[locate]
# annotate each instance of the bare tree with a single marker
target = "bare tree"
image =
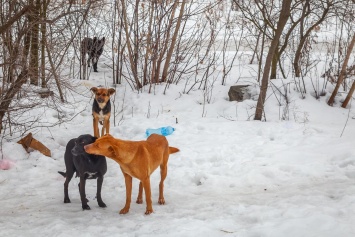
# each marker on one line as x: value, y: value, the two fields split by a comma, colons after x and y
x: 342, y: 73
x: 283, y: 18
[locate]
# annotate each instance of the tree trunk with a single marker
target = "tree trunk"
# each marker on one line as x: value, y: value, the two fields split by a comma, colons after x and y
x: 348, y: 97
x: 275, y: 60
x: 304, y: 36
x: 11, y: 92
x: 16, y: 86
x: 171, y: 49
x: 43, y: 40
x: 342, y: 72
x: 129, y: 46
x: 284, y: 15
x: 172, y: 45
x: 34, y: 58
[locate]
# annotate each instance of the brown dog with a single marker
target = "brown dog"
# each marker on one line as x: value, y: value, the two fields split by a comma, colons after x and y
x: 101, y: 110
x: 137, y: 159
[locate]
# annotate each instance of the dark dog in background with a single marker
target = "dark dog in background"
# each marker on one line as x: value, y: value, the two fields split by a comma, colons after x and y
x: 86, y: 166
x: 101, y: 110
x: 94, y: 48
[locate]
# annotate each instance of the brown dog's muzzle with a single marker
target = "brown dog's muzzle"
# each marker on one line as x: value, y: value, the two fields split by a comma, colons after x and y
x: 87, y: 148
x: 100, y: 100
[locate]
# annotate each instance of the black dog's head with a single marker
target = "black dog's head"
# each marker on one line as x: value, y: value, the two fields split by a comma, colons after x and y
x: 80, y: 142
x: 97, y: 48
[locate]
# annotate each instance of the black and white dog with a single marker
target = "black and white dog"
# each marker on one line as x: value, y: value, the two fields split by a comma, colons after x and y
x: 86, y: 166
x: 94, y: 48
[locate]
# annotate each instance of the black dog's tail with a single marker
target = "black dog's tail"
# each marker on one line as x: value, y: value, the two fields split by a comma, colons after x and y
x: 63, y: 173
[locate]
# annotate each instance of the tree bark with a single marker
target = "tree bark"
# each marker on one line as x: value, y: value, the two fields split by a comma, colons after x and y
x: 34, y: 58
x: 172, y: 45
x: 43, y: 40
x: 275, y: 60
x: 284, y: 15
x: 348, y: 97
x: 129, y: 46
x: 304, y: 37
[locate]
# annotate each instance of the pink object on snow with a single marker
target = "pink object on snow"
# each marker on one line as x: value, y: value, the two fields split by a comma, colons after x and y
x: 6, y: 164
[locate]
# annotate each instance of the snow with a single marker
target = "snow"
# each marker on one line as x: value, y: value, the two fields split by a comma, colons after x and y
x: 233, y: 176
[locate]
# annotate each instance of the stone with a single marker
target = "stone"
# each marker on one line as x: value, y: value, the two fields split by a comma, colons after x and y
x: 239, y: 93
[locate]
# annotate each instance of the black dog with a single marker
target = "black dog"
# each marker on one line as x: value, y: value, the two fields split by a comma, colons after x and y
x: 94, y: 48
x: 86, y: 166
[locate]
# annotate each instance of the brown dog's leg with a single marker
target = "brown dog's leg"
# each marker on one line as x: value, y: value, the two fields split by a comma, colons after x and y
x: 148, y: 196
x: 105, y: 126
x: 96, y: 127
x: 140, y: 194
x: 128, y: 181
x: 163, y: 173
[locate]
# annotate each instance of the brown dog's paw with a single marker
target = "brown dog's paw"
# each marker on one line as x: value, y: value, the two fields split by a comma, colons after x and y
x: 148, y: 212
x: 124, y: 211
x: 139, y: 200
x: 161, y: 201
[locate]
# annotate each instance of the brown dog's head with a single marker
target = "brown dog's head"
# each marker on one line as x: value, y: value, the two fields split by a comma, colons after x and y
x: 102, y: 146
x: 102, y: 95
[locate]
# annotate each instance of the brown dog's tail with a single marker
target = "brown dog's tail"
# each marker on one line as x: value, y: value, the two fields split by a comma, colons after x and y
x: 173, y: 150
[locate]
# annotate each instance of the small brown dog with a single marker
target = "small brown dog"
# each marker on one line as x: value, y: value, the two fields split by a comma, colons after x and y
x: 101, y: 110
x: 137, y: 159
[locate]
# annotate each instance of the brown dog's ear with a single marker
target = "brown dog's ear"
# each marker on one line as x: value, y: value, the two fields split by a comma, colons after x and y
x: 112, y: 151
x: 111, y: 91
x: 93, y: 89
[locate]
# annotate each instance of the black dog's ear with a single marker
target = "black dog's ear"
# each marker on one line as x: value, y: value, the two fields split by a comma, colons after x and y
x: 94, y: 139
x: 103, y: 39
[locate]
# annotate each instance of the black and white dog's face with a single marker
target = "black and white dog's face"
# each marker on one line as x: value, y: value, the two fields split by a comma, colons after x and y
x: 80, y: 142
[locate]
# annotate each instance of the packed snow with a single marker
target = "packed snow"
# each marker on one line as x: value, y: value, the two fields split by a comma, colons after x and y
x: 291, y: 175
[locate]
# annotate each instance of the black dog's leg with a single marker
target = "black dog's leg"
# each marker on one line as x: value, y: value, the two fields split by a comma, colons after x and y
x: 79, y: 192
x: 84, y: 201
x: 100, y: 180
x: 94, y: 64
x: 68, y: 177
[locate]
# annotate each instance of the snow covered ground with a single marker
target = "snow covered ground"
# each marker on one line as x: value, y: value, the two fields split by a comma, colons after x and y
x: 233, y: 177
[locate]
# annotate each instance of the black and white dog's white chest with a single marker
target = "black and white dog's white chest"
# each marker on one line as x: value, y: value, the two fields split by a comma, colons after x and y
x: 101, y: 116
x: 91, y: 175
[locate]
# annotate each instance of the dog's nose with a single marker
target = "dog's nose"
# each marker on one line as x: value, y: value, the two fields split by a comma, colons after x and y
x: 86, y: 147
x: 100, y: 100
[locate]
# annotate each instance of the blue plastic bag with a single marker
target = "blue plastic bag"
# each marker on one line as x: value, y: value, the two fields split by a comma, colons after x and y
x: 165, y: 131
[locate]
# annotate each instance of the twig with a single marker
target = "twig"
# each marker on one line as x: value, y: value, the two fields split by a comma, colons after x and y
x: 347, y: 119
